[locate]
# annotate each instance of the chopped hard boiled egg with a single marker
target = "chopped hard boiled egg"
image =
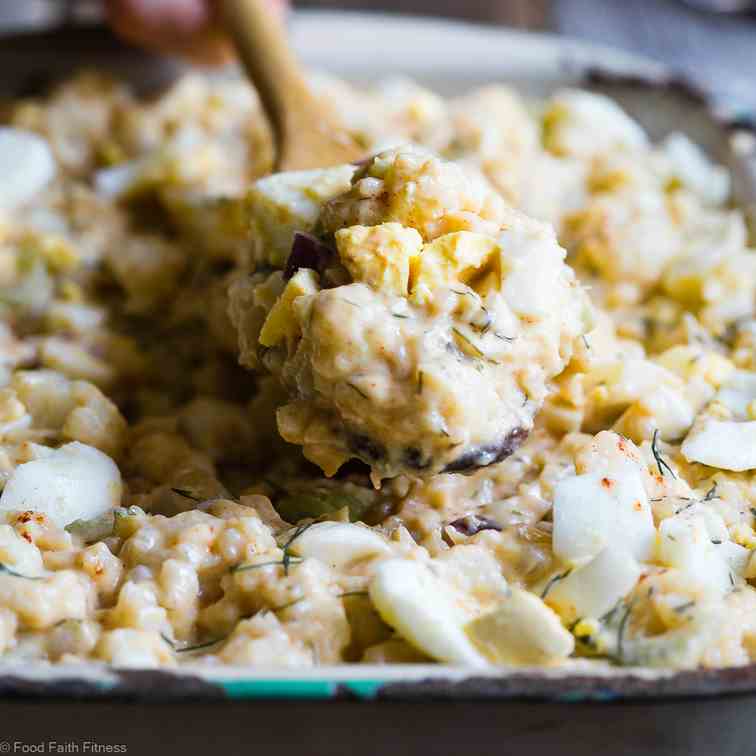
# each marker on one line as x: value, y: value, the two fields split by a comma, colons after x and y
x: 75, y: 482
x: 592, y: 590
x: 339, y: 544
x: 27, y: 166
x: 593, y: 511
x: 424, y: 611
x: 522, y: 631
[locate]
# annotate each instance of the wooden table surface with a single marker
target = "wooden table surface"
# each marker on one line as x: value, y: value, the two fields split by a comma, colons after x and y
x: 718, y: 51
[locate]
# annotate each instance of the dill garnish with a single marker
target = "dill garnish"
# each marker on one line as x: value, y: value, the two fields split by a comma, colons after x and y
x: 476, y: 350
x: 186, y: 494
x: 502, y: 337
x: 5, y: 570
x: 196, y: 647
x: 553, y: 581
x: 621, y: 631
x: 361, y: 393
x: 287, y: 604
x: 661, y: 463
x: 711, y: 493
x: 401, y: 317
x: 464, y: 293
x: 287, y: 557
x: 684, y: 607
x: 280, y: 563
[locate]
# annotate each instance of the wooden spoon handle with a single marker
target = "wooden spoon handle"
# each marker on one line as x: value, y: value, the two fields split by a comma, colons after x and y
x: 260, y: 39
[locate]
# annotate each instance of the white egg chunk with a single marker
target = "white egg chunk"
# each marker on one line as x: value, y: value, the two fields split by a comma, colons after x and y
x: 287, y: 202
x: 339, y: 544
x: 424, y: 611
x: 522, y: 631
x: 18, y: 555
x: 694, y: 541
x: 75, y: 482
x: 726, y: 444
x: 593, y: 510
x: 27, y: 165
x: 593, y: 590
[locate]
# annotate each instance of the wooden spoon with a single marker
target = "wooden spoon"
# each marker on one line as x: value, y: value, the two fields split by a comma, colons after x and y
x: 307, y: 133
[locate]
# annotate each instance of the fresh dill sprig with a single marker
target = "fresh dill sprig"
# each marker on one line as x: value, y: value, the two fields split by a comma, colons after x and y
x: 553, y: 581
x: 622, y: 627
x: 360, y: 392
x: 279, y: 563
x: 711, y: 493
x: 661, y: 463
x: 401, y: 317
x: 196, y: 647
x: 474, y: 348
x: 287, y: 556
x: 186, y: 494
x: 287, y: 604
x: 684, y: 607
x: 5, y: 570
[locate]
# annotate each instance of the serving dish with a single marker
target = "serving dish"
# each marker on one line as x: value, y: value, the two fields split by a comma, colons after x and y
x: 449, y: 58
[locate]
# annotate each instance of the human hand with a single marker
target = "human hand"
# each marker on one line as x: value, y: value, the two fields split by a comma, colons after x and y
x: 190, y: 28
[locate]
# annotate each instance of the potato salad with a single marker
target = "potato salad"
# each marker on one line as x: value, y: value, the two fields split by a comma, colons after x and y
x: 485, y: 398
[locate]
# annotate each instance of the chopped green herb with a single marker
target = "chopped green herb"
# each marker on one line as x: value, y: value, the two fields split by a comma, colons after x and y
x: 401, y: 317
x: 553, y: 581
x: 287, y: 556
x: 684, y: 607
x: 287, y: 605
x: 585, y: 341
x: 622, y: 627
x: 476, y: 351
x: 5, y: 570
x: 660, y: 461
x: 197, y: 647
x: 186, y: 494
x: 360, y: 392
x: 711, y: 493
x: 280, y: 563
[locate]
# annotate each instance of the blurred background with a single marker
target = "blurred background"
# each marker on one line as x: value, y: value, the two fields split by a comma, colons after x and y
x: 711, y: 41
